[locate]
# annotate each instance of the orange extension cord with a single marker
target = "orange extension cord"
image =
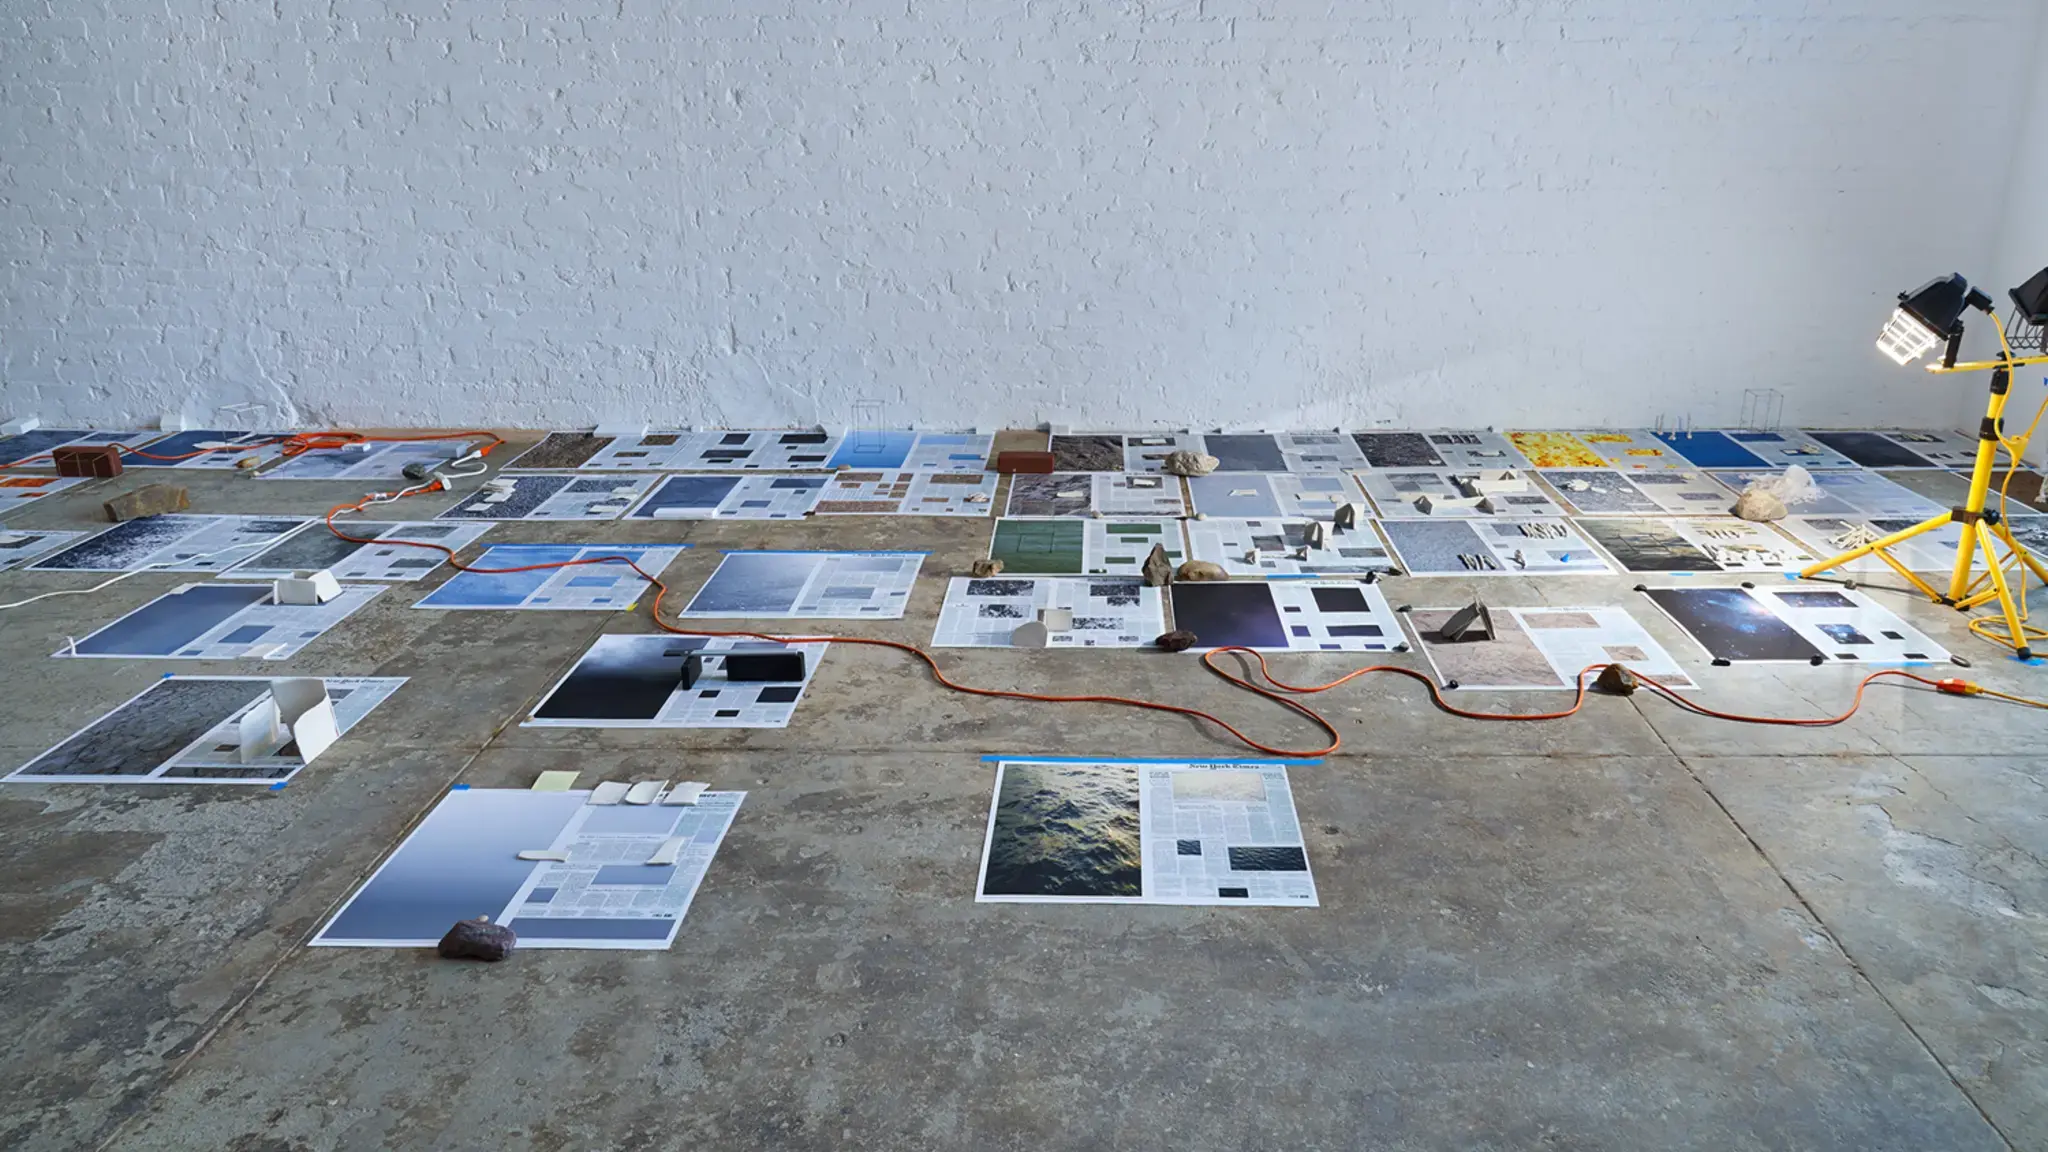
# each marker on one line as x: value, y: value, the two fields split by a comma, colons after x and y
x: 1281, y: 692
x: 1284, y: 695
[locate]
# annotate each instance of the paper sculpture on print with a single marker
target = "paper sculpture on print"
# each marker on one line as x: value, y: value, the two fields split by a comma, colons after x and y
x: 1140, y: 832
x: 1491, y: 547
x: 221, y: 621
x: 1605, y: 492
x: 1275, y: 547
x: 1542, y: 648
x: 1720, y: 544
x: 384, y: 558
x: 638, y: 682
x: 1088, y: 493
x: 314, y: 588
x: 175, y: 542
x: 190, y: 730
x: 1828, y: 536
x: 297, y: 711
x: 1052, y: 546
x: 600, y: 577
x: 1443, y: 494
x: 891, y: 493
x: 1106, y: 612
x: 809, y: 585
x: 1677, y: 492
x: 556, y: 870
x: 1263, y: 495
x: 551, y: 496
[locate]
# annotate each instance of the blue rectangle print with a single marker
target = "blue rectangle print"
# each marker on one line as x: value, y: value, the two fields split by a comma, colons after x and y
x: 501, y: 589
x: 166, y: 625
x: 868, y: 448
x: 1711, y: 450
x: 701, y: 494
x: 766, y: 583
x: 482, y: 589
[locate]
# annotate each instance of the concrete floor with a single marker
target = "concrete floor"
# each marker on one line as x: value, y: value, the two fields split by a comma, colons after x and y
x: 1635, y: 929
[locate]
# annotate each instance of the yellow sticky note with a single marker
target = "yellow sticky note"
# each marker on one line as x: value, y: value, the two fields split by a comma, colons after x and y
x: 555, y: 781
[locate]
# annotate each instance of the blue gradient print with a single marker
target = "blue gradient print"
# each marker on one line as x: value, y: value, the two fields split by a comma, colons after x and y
x: 462, y: 862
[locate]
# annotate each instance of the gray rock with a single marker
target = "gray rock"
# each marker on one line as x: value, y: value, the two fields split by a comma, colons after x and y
x: 1760, y: 506
x: 1186, y: 463
x: 1031, y: 634
x: 1158, y: 569
x: 477, y: 939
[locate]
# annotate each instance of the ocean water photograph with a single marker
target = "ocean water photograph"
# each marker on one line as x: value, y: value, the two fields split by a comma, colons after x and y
x: 1063, y: 831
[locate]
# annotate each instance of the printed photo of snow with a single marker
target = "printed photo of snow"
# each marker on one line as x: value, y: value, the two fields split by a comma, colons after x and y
x: 174, y: 542
x: 809, y: 585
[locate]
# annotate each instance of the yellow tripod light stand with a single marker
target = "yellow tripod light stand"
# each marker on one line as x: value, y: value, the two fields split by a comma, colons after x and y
x: 1927, y: 317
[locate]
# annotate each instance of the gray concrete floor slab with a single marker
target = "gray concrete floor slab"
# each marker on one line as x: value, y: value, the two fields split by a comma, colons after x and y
x: 1634, y: 929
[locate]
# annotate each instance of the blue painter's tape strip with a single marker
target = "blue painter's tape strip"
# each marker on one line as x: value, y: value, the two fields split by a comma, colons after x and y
x: 818, y: 552
x: 458, y: 787
x: 994, y: 759
x: 279, y: 786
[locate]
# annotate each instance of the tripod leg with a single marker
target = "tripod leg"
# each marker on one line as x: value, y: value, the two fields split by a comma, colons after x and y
x: 2026, y: 557
x: 2016, y: 629
x: 1966, y: 555
x: 1878, y: 546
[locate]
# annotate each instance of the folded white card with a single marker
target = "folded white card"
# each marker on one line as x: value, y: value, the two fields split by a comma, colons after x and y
x: 298, y: 710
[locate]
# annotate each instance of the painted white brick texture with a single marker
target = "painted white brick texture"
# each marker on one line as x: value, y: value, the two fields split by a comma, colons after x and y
x: 1280, y: 213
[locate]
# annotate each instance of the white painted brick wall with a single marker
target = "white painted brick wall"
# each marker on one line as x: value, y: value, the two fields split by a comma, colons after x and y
x: 1282, y: 212
x: 2022, y: 250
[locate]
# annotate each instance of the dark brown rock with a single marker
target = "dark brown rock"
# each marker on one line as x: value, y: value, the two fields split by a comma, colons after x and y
x: 1617, y: 680
x: 1176, y: 641
x: 477, y: 939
